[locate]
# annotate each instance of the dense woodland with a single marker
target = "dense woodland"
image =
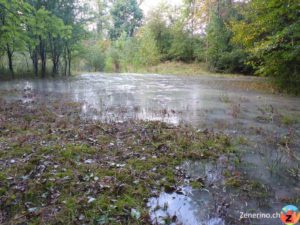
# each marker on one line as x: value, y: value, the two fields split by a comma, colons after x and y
x: 56, y: 37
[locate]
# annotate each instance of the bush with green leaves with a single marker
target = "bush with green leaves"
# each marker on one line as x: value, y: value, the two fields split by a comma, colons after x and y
x: 95, y: 58
x: 182, y: 47
x: 113, y: 60
x: 148, y: 52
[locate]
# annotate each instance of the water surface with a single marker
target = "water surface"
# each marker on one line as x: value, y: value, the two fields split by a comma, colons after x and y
x: 267, y: 126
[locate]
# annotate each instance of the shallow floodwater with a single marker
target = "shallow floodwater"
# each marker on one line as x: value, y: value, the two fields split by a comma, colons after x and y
x: 173, y: 99
x: 266, y: 125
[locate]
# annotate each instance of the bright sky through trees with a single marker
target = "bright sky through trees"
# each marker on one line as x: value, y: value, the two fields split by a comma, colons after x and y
x: 150, y: 4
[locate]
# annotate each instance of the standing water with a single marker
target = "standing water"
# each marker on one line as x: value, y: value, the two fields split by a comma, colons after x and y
x: 265, y: 127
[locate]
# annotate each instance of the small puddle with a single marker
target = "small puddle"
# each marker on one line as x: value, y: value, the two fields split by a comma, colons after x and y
x: 211, y: 172
x: 189, y: 207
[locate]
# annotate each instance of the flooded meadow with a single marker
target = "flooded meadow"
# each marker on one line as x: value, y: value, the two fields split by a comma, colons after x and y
x: 238, y: 145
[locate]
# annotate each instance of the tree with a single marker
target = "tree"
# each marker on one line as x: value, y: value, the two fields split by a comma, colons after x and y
x: 12, y: 38
x: 102, y: 17
x: 95, y: 56
x: 157, y: 22
x: 55, y: 31
x: 221, y: 54
x: 270, y: 32
x: 218, y: 37
x: 126, y: 17
x: 75, y: 15
x: 181, y: 48
x: 33, y: 40
x: 148, y: 52
x: 46, y: 31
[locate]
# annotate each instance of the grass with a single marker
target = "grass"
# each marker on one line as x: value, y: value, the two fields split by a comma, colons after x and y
x: 175, y: 68
x: 289, y: 120
x: 225, y: 98
x: 82, y: 171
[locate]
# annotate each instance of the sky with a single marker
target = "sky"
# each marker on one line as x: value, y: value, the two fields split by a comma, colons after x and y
x: 150, y: 4
x: 146, y: 6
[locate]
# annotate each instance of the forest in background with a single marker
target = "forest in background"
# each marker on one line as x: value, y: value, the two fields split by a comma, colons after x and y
x: 55, y: 37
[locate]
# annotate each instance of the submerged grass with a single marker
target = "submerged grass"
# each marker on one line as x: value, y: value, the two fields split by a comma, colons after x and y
x: 174, y: 68
x: 58, y: 168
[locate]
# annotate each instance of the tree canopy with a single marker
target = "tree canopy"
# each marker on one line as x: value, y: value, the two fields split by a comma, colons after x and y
x: 126, y: 17
x: 270, y: 32
x: 249, y: 37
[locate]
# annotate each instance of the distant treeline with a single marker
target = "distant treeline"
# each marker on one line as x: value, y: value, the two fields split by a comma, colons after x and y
x: 251, y: 37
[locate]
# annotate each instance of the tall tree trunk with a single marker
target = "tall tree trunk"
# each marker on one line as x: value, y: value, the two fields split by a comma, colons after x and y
x: 193, y: 16
x: 65, y: 61
x: 218, y: 9
x: 27, y: 64
x: 69, y: 62
x: 66, y: 65
x: 35, y: 62
x: 10, y: 60
x: 69, y: 66
x: 43, y: 58
x: 210, y: 13
x: 55, y: 54
x: 192, y: 8
x: 55, y: 61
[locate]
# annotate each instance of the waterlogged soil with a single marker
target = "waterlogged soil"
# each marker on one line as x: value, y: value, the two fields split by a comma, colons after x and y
x: 90, y: 146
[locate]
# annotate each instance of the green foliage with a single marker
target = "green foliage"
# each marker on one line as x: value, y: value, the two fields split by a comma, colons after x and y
x: 222, y: 54
x: 40, y: 30
x: 129, y: 55
x: 11, y: 18
x: 102, y: 17
x: 95, y: 58
x: 157, y: 24
x: 181, y: 45
x: 218, y: 37
x: 126, y: 17
x: 127, y: 52
x: 234, y: 61
x: 45, y: 25
x: 113, y: 61
x: 148, y: 52
x: 13, y: 14
x: 270, y: 31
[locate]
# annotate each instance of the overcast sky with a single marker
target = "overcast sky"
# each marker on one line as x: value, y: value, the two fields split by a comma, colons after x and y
x: 149, y: 4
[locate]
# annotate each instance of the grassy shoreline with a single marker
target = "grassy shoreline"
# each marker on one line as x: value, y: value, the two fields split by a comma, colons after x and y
x: 177, y: 68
